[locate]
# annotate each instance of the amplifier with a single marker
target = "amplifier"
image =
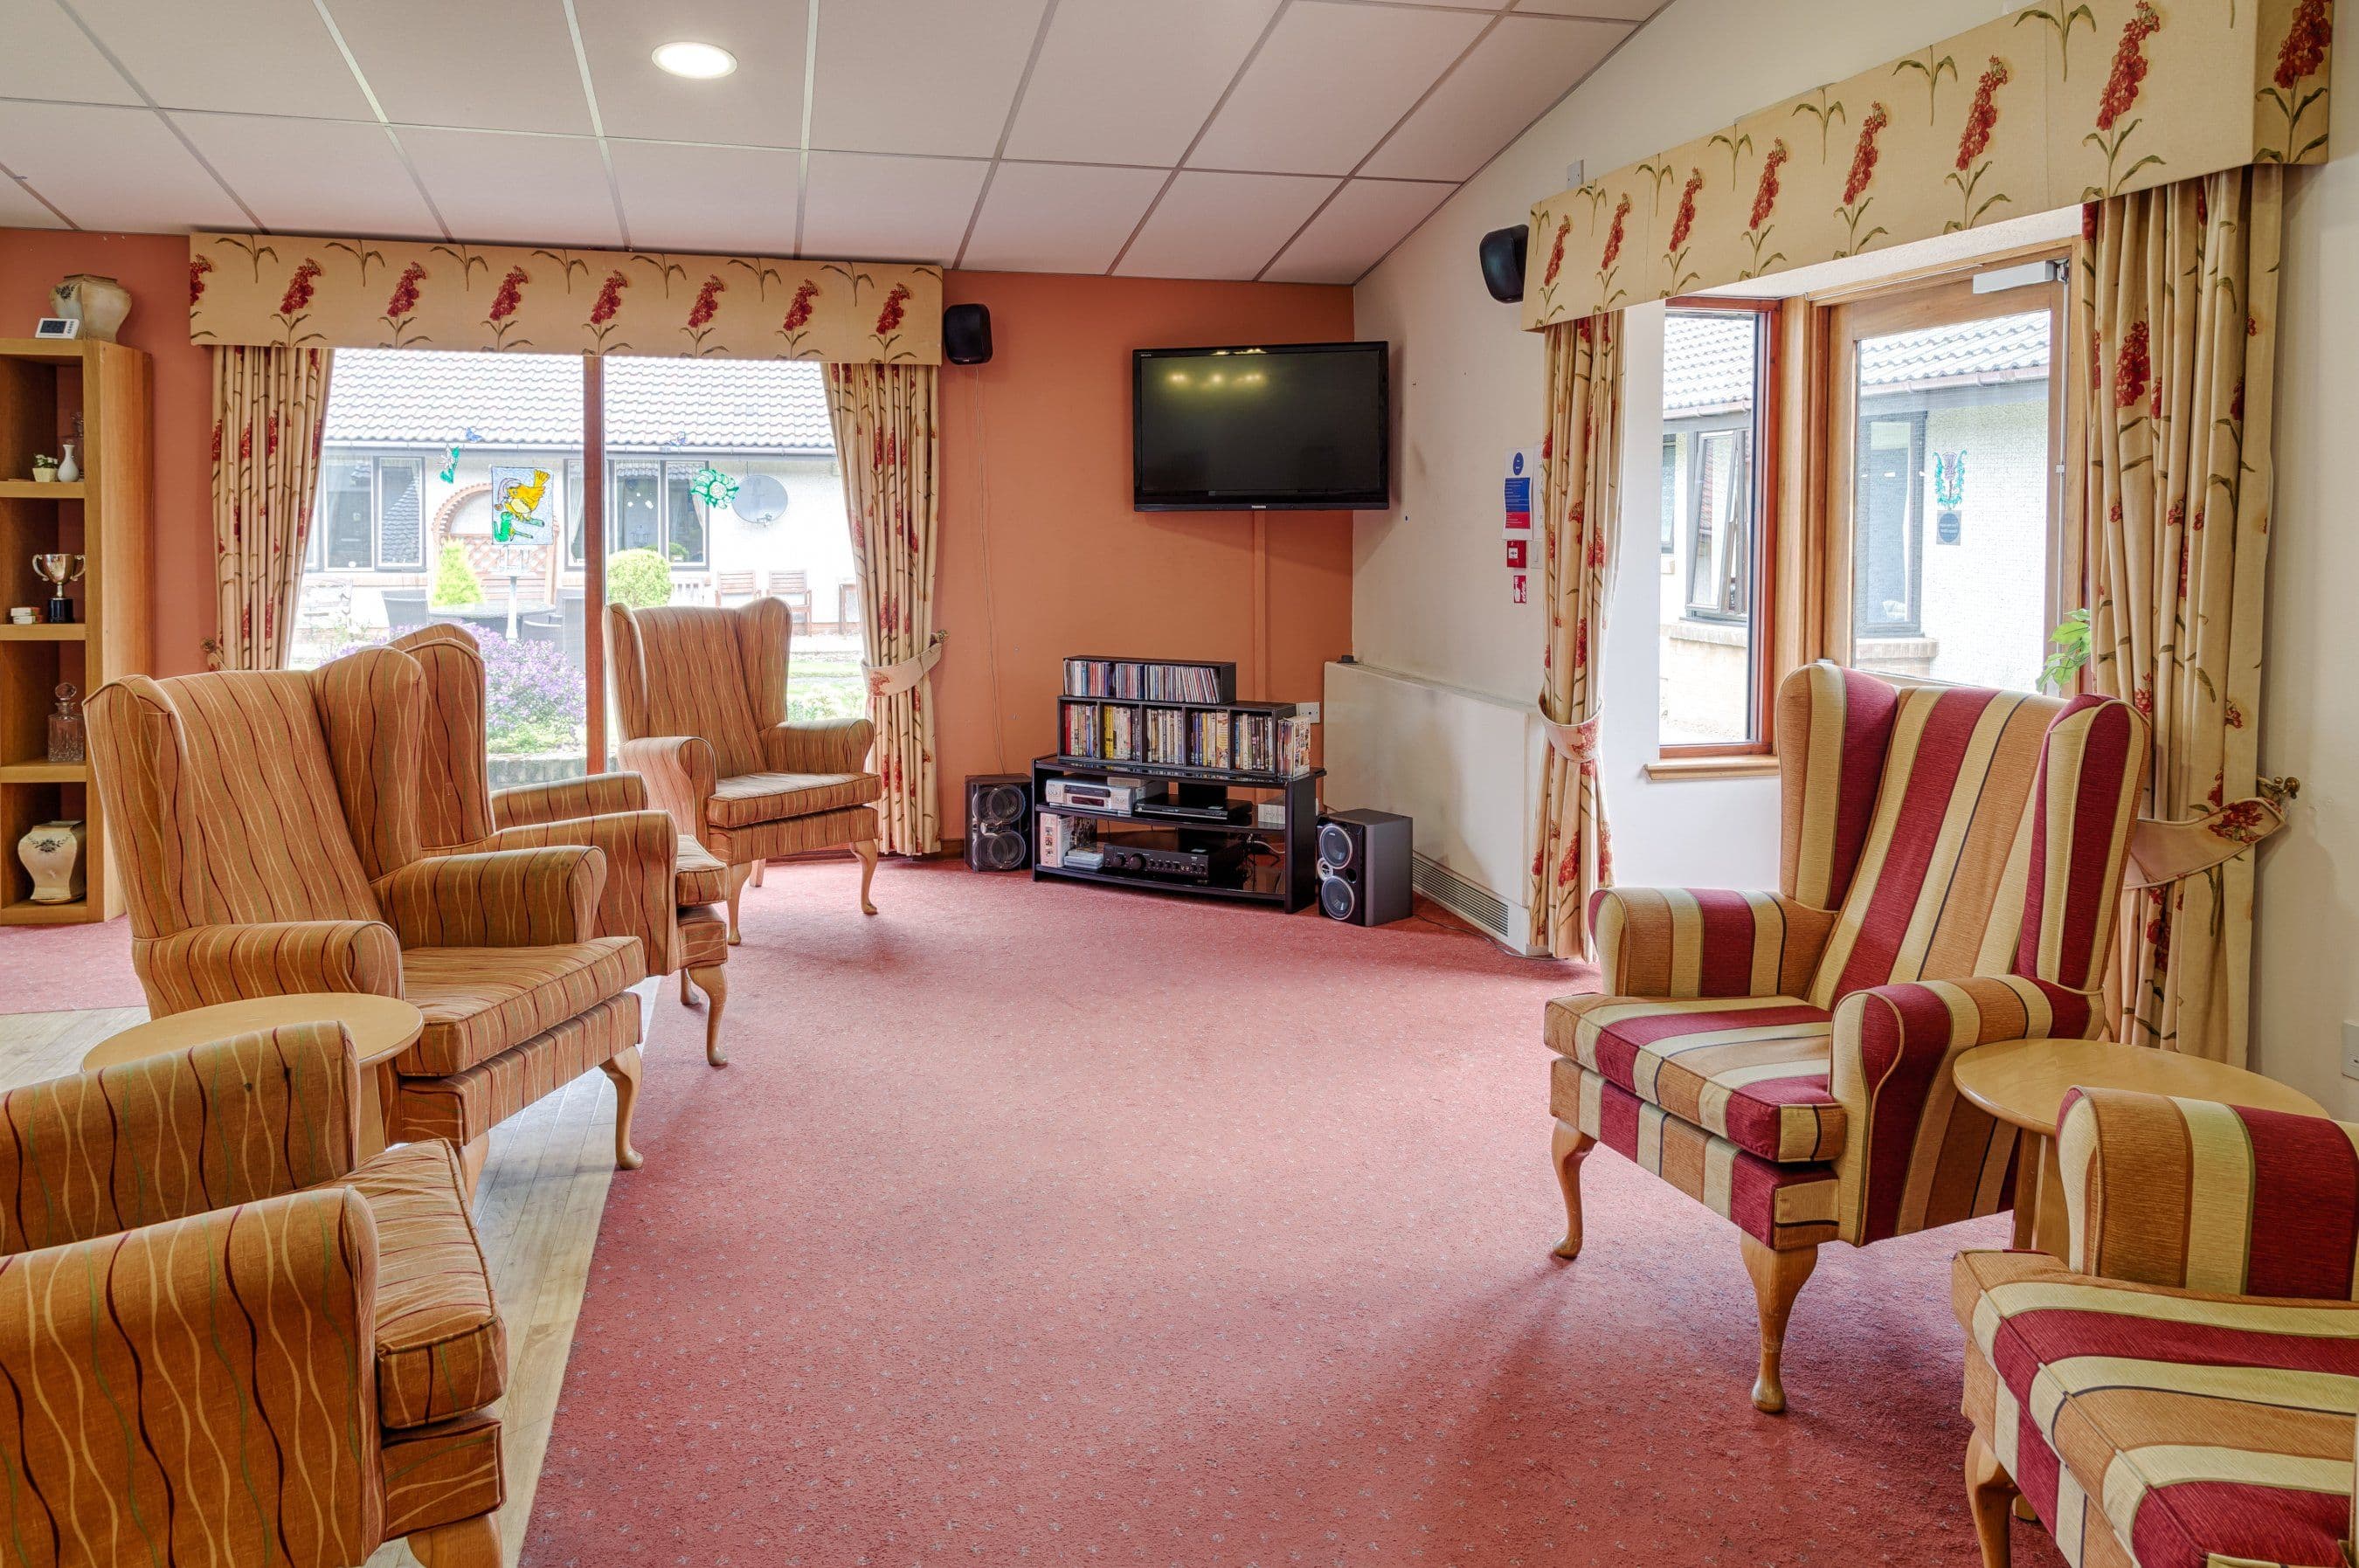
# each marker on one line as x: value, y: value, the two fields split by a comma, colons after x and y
x: 1094, y: 796
x: 1172, y: 865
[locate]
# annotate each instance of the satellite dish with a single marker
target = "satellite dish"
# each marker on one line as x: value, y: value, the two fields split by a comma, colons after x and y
x: 760, y: 498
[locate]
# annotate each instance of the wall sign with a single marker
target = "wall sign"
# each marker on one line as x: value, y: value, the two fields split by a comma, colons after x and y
x: 1523, y: 472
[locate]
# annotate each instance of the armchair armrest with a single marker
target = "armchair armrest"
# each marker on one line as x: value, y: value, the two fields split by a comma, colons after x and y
x: 1894, y: 1048
x: 234, y: 1361
x: 680, y: 772
x: 2182, y: 1191
x: 209, y: 964
x: 641, y: 896
x: 500, y: 898
x: 232, y: 1122
x: 1698, y: 942
x: 819, y: 746
x: 566, y: 799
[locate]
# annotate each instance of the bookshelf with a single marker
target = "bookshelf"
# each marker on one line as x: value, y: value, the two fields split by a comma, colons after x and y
x: 1230, y: 779
x: 103, y: 517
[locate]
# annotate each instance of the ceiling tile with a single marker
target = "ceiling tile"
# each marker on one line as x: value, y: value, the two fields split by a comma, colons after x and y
x: 733, y: 200
x: 1613, y: 10
x: 888, y: 209
x: 1221, y: 225
x: 47, y: 56
x: 1046, y: 217
x: 112, y: 168
x: 758, y: 104
x: 1131, y: 80
x: 446, y: 62
x: 516, y: 189
x: 211, y: 55
x: 1512, y: 75
x: 1352, y: 233
x: 312, y: 176
x: 920, y: 76
x: 1331, y: 79
x: 18, y: 210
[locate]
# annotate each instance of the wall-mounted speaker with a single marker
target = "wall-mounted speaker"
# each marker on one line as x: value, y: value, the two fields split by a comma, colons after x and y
x: 998, y: 822
x: 966, y: 334
x: 1503, y: 252
x: 1363, y: 866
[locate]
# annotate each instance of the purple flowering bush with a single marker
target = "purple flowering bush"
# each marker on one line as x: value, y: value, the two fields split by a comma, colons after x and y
x: 532, y: 698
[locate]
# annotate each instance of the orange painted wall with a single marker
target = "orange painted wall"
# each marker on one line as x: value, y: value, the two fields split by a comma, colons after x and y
x: 1041, y: 555
x: 155, y: 268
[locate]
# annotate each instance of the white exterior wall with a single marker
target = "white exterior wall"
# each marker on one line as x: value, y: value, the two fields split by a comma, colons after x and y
x: 1985, y: 597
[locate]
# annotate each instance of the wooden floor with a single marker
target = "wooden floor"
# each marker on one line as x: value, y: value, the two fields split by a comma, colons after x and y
x: 543, y: 1189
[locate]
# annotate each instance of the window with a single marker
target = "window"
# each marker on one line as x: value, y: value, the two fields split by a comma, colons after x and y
x: 1717, y: 405
x: 1944, y: 502
x: 367, y: 516
x: 650, y: 506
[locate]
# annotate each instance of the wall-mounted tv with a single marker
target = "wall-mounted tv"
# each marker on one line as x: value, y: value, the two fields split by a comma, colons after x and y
x: 1302, y: 426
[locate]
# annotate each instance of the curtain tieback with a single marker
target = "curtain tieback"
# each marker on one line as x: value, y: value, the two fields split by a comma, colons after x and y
x: 1576, y: 743
x: 2165, y: 853
x: 892, y: 681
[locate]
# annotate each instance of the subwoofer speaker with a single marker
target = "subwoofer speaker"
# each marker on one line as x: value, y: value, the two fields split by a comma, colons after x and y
x: 1503, y: 252
x: 1364, y: 865
x: 998, y: 822
x: 966, y: 335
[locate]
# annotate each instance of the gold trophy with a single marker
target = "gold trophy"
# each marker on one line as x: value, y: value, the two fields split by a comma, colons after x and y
x: 57, y: 570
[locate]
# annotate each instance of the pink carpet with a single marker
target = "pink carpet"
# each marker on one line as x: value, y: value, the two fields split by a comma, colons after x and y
x: 1047, y: 1224
x: 57, y: 969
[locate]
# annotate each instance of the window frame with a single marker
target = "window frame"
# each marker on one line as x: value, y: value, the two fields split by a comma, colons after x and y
x: 315, y: 546
x: 1761, y: 581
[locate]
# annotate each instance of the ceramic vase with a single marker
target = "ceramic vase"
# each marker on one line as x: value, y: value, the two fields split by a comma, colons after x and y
x: 100, y: 303
x: 52, y: 853
x: 69, y: 466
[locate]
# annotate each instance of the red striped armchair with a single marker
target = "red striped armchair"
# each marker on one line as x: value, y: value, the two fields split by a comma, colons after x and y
x: 1951, y: 861
x: 2178, y: 1392
x: 270, y: 844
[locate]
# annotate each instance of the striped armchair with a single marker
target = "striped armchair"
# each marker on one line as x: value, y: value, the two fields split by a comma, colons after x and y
x: 270, y: 844
x: 703, y: 695
x: 2179, y: 1391
x: 224, y: 1340
x: 1950, y: 865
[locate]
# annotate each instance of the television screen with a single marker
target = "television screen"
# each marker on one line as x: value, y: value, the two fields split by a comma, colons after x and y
x: 1294, y: 424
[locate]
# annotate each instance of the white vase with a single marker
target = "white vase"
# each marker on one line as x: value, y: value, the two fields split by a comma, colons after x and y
x: 69, y: 467
x: 52, y: 853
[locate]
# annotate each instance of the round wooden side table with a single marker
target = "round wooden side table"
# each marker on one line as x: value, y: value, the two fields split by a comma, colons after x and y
x: 382, y: 1028
x: 2024, y: 1082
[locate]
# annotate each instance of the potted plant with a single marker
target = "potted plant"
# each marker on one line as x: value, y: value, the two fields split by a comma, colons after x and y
x: 45, y: 469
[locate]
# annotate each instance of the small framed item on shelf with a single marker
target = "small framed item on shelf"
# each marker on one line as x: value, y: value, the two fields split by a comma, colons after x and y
x: 58, y: 327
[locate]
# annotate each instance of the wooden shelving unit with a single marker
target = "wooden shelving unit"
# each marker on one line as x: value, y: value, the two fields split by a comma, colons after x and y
x: 105, y: 517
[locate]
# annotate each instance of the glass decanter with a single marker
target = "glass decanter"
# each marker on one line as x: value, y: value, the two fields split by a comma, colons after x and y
x: 67, y: 744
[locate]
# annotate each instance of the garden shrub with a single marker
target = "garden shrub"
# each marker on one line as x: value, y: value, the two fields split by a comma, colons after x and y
x: 455, y: 583
x: 640, y: 579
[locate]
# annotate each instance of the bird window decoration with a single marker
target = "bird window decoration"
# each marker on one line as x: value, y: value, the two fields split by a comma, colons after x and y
x: 1948, y: 496
x: 516, y: 497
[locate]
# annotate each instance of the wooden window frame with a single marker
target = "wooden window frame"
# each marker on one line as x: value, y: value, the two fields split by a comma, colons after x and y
x: 1768, y: 466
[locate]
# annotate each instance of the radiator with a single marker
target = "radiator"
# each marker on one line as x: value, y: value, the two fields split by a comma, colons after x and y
x: 1462, y: 765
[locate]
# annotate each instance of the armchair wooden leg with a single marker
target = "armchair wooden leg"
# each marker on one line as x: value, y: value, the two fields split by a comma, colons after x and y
x: 624, y: 1068
x: 1778, y: 1279
x: 1989, y: 1491
x: 470, y: 1543
x: 470, y: 1161
x: 737, y: 875
x: 759, y: 867
x: 687, y: 991
x: 866, y: 850
x: 1566, y: 1152
x: 715, y: 981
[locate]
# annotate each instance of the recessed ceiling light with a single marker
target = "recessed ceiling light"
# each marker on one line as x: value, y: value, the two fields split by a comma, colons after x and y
x: 701, y: 61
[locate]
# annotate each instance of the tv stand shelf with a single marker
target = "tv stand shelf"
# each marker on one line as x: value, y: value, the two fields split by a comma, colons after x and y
x: 1281, y: 875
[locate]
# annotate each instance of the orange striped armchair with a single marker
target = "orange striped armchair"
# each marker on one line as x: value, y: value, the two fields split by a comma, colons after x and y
x: 270, y: 844
x: 1950, y: 862
x: 703, y: 695
x: 2177, y: 1392
x: 224, y: 1340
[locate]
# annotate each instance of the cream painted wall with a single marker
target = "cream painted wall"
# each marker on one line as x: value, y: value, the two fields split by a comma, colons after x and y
x: 1429, y: 597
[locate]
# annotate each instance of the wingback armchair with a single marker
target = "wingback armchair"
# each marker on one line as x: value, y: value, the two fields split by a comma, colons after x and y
x: 268, y: 827
x: 226, y: 1341
x: 1949, y: 868
x: 703, y: 695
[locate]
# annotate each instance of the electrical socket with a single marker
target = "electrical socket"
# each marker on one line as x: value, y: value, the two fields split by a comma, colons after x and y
x: 1308, y: 713
x: 2351, y: 1050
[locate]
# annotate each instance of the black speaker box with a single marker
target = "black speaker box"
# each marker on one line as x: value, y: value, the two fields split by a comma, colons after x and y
x: 966, y: 334
x: 1364, y: 865
x: 1503, y: 252
x: 998, y: 822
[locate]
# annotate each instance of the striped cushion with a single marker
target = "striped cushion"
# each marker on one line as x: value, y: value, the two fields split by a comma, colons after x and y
x: 480, y: 1001
x: 462, y: 1106
x: 1751, y: 1069
x: 1672, y: 942
x: 2191, y: 1429
x: 441, y: 1349
x: 745, y: 799
x: 1785, y: 1206
x: 703, y: 937
x: 702, y: 877
x: 440, y: 1474
x: 795, y: 836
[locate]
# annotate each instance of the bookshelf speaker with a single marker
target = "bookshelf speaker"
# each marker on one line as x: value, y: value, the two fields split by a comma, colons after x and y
x: 998, y: 822
x: 1363, y: 863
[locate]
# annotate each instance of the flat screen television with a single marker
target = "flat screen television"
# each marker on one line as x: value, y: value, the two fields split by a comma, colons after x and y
x: 1300, y: 425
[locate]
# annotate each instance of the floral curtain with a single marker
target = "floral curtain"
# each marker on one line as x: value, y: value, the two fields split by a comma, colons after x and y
x: 2176, y: 290
x: 884, y: 418
x: 1579, y: 501
x: 269, y: 408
